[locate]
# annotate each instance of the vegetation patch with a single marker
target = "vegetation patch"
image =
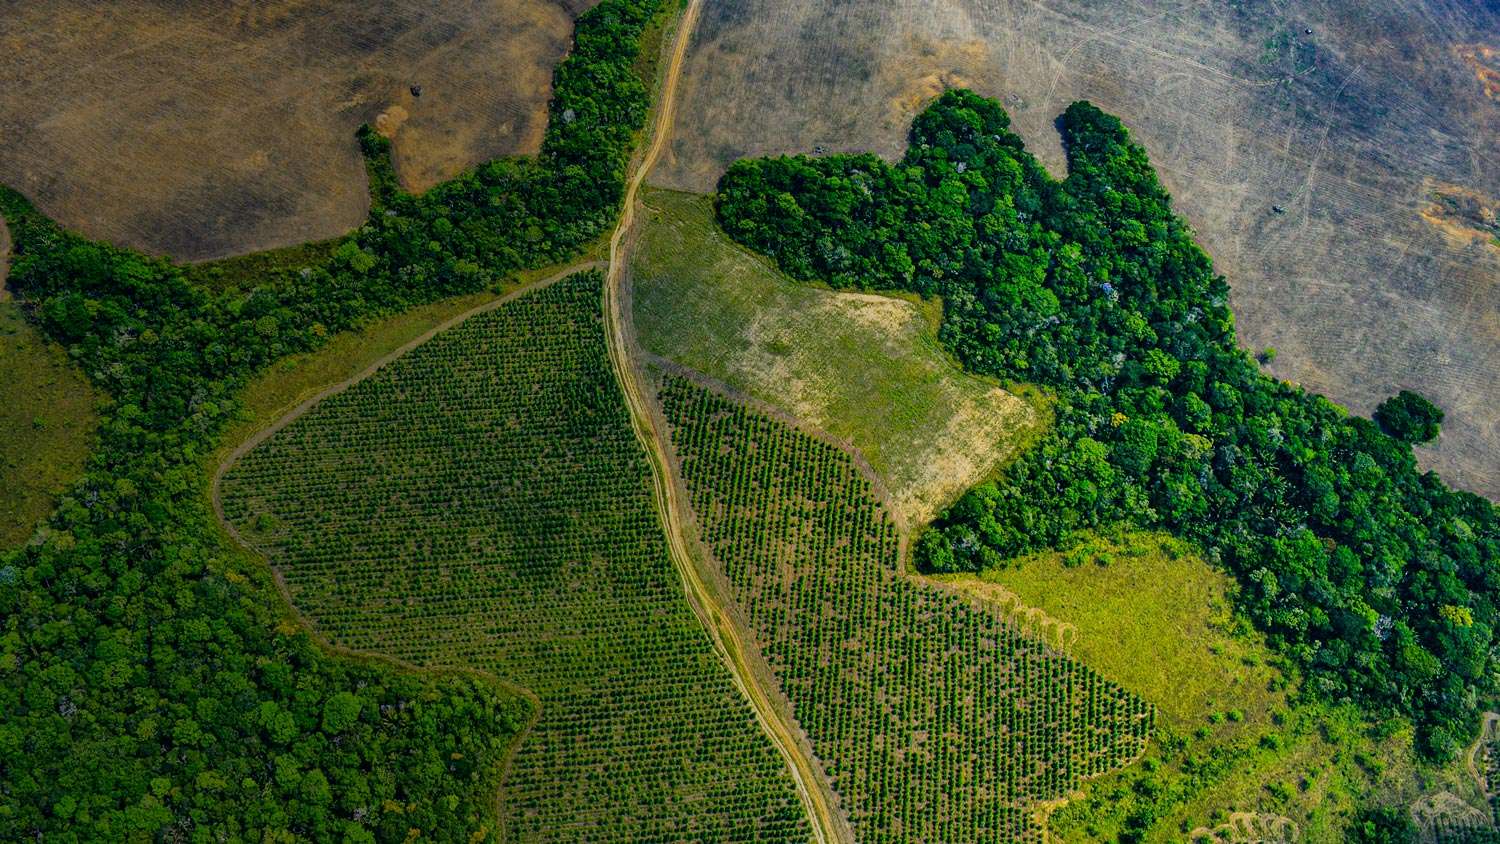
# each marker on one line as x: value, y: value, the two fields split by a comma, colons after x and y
x: 1376, y: 579
x: 1151, y: 615
x: 866, y: 368
x: 153, y: 684
x: 46, y: 423
x: 481, y: 502
x: 934, y: 718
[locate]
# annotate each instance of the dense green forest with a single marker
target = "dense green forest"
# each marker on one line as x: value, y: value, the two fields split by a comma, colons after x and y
x: 1377, y: 579
x: 147, y: 690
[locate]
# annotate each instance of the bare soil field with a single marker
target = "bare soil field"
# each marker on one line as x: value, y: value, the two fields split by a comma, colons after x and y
x: 1373, y: 127
x: 205, y: 129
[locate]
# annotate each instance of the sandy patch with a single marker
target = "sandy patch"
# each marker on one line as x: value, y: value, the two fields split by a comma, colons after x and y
x: 1485, y: 62
x: 1462, y: 214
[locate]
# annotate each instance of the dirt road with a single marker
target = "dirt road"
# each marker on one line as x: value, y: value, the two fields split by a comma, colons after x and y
x: 812, y: 786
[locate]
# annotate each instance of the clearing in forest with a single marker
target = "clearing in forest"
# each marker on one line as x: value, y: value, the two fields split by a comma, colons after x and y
x: 481, y: 501
x: 934, y: 718
x: 46, y: 423
x: 866, y: 368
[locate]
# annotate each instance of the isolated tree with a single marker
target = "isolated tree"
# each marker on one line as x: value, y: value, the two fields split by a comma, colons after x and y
x: 1409, y: 417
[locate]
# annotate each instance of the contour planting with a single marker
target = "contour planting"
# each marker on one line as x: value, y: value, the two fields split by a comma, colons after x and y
x: 482, y: 502
x: 934, y: 718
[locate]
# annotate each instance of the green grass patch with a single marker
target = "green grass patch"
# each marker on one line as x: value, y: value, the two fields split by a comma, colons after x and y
x: 1237, y: 742
x: 47, y: 421
x: 1182, y: 647
x: 866, y: 368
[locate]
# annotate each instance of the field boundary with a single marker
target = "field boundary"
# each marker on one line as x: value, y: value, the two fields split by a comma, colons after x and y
x: 828, y: 824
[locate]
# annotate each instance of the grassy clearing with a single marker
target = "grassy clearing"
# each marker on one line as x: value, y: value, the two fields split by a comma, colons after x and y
x: 481, y: 501
x: 1178, y: 608
x: 1235, y: 739
x: 47, y: 421
x: 868, y: 369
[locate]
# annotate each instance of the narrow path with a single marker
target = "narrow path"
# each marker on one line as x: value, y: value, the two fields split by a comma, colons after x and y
x: 817, y: 796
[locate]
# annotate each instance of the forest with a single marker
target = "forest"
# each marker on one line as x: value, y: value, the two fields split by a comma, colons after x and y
x: 152, y: 683
x: 1373, y: 577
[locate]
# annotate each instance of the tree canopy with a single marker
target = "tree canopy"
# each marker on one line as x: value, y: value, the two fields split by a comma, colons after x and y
x: 151, y: 685
x: 1376, y: 578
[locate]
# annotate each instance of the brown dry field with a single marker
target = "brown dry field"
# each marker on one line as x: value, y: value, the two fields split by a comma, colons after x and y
x: 202, y: 129
x: 1378, y: 133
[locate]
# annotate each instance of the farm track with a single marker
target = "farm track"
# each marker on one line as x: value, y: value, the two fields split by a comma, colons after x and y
x: 829, y: 825
x: 729, y: 642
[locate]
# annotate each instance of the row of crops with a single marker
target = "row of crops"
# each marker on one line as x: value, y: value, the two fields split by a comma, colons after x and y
x: 481, y: 501
x: 934, y: 718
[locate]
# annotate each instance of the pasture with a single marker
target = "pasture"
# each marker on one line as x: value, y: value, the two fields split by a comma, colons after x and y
x: 207, y: 129
x: 47, y: 421
x: 866, y: 368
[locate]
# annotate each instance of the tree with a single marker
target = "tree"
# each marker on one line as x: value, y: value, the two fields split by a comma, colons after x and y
x: 1409, y: 417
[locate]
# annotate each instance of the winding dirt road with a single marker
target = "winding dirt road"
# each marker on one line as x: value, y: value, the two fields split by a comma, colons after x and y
x: 829, y: 826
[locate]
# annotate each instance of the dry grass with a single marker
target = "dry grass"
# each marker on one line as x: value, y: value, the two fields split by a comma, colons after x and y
x: 1240, y: 107
x: 204, y: 129
x: 867, y: 369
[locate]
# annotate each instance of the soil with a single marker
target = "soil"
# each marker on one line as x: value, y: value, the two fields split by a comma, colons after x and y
x: 1347, y: 128
x: 202, y: 129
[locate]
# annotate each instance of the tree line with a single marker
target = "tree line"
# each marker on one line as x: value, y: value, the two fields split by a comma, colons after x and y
x: 149, y: 685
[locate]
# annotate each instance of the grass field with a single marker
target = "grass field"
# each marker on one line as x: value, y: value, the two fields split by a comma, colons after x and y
x: 867, y: 369
x: 46, y: 423
x: 1236, y: 744
x: 481, y: 501
x: 935, y: 720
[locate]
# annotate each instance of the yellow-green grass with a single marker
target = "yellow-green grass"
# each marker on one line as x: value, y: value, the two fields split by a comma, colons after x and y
x: 866, y: 368
x: 47, y: 420
x: 1152, y: 615
x: 1155, y: 618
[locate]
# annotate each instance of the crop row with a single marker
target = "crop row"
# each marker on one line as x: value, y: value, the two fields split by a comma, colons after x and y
x: 935, y: 719
x: 481, y: 501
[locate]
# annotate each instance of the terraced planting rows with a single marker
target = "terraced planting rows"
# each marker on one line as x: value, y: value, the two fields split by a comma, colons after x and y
x: 935, y: 719
x: 481, y: 501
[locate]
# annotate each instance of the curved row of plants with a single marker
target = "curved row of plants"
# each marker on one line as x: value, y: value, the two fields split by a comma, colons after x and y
x: 934, y: 718
x: 149, y: 684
